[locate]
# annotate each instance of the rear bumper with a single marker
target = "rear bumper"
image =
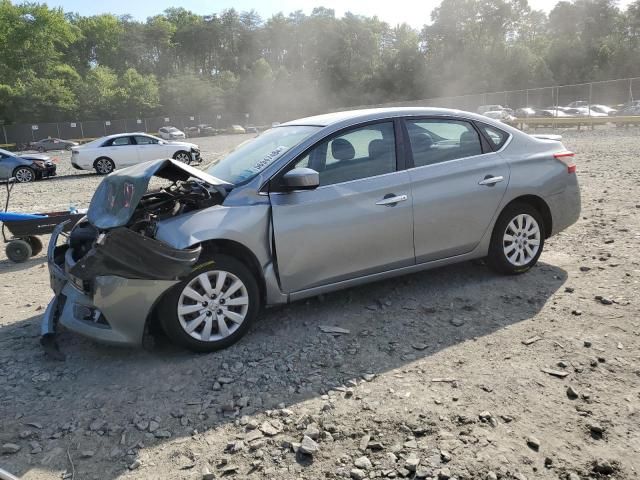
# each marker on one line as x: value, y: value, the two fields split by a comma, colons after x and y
x: 565, y: 206
x: 109, y: 309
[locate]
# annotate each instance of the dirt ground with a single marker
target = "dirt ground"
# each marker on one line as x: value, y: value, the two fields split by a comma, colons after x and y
x: 439, y: 376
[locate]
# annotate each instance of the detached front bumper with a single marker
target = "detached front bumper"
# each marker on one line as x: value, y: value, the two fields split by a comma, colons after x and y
x: 109, y: 309
x: 47, y: 171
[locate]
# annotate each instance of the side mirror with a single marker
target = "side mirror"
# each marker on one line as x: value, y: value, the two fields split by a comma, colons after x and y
x: 300, y: 179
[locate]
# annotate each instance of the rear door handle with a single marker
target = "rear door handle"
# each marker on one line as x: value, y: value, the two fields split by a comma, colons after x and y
x: 392, y: 200
x: 490, y: 181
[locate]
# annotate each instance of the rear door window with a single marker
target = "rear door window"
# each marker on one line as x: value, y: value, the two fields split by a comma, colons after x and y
x: 440, y: 140
x: 121, y: 141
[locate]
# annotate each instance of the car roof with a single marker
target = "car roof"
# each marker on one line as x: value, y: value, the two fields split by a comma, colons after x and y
x: 348, y: 116
x: 116, y: 135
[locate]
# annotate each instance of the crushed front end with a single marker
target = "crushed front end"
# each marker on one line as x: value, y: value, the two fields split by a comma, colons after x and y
x: 109, y: 272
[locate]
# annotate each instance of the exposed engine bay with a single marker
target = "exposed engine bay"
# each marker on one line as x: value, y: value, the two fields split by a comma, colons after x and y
x: 118, y: 235
x: 180, y: 197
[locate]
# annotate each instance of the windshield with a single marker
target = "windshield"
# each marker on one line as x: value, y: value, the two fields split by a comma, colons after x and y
x: 253, y: 156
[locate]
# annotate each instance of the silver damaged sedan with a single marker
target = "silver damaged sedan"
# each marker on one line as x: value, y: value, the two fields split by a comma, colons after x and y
x: 308, y: 207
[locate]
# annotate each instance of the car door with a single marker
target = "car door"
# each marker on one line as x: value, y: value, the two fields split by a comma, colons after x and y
x: 149, y: 148
x: 122, y: 150
x: 458, y: 182
x: 357, y: 222
x: 6, y: 166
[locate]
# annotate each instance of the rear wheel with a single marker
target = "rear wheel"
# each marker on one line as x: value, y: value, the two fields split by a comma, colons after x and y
x: 182, y: 156
x: 517, y: 240
x: 41, y: 149
x: 104, y: 166
x: 18, y: 250
x: 24, y: 174
x: 36, y: 245
x: 213, y: 307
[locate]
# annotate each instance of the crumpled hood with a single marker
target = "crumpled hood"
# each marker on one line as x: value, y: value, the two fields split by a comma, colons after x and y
x: 118, y: 195
x: 36, y: 157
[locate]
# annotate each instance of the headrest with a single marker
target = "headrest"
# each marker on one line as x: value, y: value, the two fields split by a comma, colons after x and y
x: 378, y: 148
x: 342, y: 149
x: 422, y: 141
x: 468, y: 137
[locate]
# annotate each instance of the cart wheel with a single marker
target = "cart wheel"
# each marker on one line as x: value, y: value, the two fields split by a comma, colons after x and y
x: 18, y: 251
x: 36, y: 245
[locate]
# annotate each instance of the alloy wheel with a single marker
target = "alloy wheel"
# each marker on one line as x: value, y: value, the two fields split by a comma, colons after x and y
x: 183, y: 157
x: 213, y: 305
x: 24, y: 175
x: 104, y: 166
x: 521, y: 240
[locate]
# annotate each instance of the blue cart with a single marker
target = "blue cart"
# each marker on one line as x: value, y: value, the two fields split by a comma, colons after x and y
x: 25, y: 228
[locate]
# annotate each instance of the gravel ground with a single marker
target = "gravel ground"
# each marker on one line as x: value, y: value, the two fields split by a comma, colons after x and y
x: 439, y: 375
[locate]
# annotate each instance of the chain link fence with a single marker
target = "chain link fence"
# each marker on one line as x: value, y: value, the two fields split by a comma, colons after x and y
x: 612, y: 93
x: 616, y: 94
x: 23, y: 134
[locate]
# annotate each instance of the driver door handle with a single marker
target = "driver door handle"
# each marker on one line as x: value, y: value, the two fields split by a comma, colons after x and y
x: 490, y: 181
x: 392, y: 200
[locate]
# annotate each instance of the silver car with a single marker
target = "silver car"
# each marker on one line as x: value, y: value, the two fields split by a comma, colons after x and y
x: 308, y: 207
x: 25, y: 167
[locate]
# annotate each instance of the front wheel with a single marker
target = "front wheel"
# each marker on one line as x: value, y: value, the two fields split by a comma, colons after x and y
x: 517, y: 240
x: 184, y: 157
x: 213, y: 307
x: 24, y: 174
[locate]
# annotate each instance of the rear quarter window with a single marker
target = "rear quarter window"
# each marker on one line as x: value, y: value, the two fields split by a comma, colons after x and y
x: 496, y: 137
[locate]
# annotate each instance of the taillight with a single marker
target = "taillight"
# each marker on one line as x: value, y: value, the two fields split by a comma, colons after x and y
x: 566, y: 157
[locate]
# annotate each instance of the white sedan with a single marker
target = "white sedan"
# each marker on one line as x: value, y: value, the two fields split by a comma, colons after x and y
x: 107, y: 154
x: 171, y: 133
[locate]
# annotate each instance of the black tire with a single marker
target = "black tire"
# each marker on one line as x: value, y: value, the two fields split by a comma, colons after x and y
x: 36, y: 245
x: 104, y: 166
x: 18, y: 250
x: 168, y: 307
x: 497, y: 258
x: 41, y: 149
x: 183, y: 156
x: 24, y: 174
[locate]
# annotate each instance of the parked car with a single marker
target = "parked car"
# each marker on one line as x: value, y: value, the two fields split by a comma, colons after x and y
x: 251, y: 129
x: 583, y: 112
x: 47, y: 144
x: 25, y: 167
x: 578, y: 104
x: 553, y: 112
x: 502, y: 115
x: 311, y: 206
x: 603, y: 109
x: 192, y: 132
x: 629, y: 109
x: 482, y: 109
x: 109, y: 153
x: 237, y: 129
x: 170, y: 133
x: 525, y: 112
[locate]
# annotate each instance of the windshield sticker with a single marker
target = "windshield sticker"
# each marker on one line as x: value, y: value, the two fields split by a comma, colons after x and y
x: 268, y: 158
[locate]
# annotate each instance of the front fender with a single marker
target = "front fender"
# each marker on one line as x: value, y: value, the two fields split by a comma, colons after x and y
x: 247, y: 225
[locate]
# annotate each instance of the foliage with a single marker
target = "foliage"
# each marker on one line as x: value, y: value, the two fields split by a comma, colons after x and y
x: 59, y: 66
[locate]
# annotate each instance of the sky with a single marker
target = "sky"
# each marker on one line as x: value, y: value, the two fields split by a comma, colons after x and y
x: 414, y: 12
